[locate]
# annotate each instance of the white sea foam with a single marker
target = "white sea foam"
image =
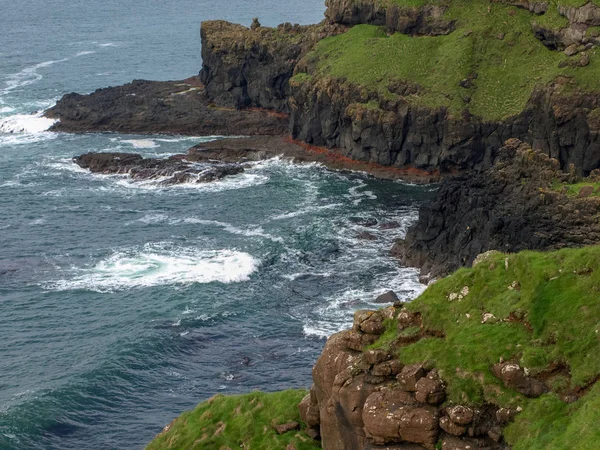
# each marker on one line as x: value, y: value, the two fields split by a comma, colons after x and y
x: 303, y: 211
x: 30, y: 74
x: 25, y: 123
x: 250, y: 231
x: 141, y: 143
x: 336, y: 312
x: 155, y: 265
x: 6, y: 109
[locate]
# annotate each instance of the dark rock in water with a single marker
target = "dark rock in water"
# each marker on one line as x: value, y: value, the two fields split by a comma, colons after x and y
x: 173, y: 107
x: 366, y: 236
x: 389, y: 225
x: 388, y: 297
x: 174, y: 170
x: 510, y: 207
x: 370, y: 222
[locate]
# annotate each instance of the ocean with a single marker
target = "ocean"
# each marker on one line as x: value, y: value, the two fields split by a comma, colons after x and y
x: 123, y: 304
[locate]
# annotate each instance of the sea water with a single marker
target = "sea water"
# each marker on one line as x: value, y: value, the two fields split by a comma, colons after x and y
x: 124, y: 303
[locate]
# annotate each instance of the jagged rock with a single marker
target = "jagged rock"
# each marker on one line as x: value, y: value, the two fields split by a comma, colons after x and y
x: 173, y: 170
x: 387, y: 368
x: 461, y: 415
x: 408, y: 319
x: 357, y: 340
x: 430, y: 389
x: 513, y: 376
x: 383, y: 412
x: 388, y: 297
x: 151, y: 107
x: 370, y: 322
x: 309, y: 412
x: 243, y: 67
x: 426, y: 20
x: 409, y: 376
x: 376, y: 356
x: 505, y: 415
x: 501, y: 208
x: 452, y: 428
x: 420, y: 425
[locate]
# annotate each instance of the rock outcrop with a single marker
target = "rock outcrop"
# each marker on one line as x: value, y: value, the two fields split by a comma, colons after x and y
x: 557, y: 121
x: 426, y: 20
x: 151, y: 107
x: 367, y: 399
x: 518, y: 204
x: 173, y: 170
x: 251, y: 67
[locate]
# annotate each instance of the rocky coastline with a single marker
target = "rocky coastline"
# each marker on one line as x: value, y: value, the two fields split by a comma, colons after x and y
x: 518, y: 162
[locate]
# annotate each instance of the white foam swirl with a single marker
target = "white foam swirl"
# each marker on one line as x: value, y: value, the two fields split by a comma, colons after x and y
x: 155, y: 265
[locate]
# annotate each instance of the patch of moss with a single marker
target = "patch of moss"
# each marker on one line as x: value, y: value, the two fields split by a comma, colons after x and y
x: 546, y: 312
x: 572, y: 189
x: 241, y: 421
x: 493, y: 49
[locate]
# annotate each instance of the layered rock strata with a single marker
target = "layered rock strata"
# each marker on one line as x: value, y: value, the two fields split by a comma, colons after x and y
x: 251, y: 67
x: 518, y: 204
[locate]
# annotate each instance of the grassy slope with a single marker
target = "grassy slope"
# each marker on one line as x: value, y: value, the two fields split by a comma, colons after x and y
x: 242, y: 421
x: 507, y: 69
x: 559, y: 305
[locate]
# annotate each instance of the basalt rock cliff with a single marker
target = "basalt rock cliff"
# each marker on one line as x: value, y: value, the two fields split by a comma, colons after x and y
x: 438, y: 86
x: 523, y: 202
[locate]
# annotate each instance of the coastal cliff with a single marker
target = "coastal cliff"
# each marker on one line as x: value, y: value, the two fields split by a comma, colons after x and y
x: 498, y: 356
x: 434, y: 85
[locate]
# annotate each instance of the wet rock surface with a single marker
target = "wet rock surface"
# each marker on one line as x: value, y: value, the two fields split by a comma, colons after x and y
x: 510, y: 207
x: 173, y: 170
x: 155, y: 107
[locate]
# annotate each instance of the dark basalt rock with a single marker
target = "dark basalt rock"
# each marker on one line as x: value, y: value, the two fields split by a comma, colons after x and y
x: 251, y: 67
x: 509, y: 207
x: 151, y: 107
x: 174, y: 170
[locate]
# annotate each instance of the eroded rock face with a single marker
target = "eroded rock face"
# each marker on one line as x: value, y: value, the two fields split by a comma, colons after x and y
x: 555, y: 121
x: 174, y: 170
x: 151, y: 107
x: 424, y: 20
x: 369, y: 400
x: 251, y: 67
x: 510, y: 207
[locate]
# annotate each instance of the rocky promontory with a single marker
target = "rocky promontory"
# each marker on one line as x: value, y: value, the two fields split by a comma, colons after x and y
x: 159, y: 107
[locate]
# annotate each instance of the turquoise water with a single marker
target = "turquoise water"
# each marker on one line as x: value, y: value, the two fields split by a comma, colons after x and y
x: 123, y: 304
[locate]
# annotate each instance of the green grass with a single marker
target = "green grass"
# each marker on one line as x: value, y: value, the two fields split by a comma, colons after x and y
x: 557, y: 302
x: 572, y: 189
x: 508, y: 69
x: 242, y: 421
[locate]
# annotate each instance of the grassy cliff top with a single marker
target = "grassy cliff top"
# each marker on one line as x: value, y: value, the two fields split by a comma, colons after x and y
x: 541, y: 310
x: 490, y: 64
x: 241, y: 421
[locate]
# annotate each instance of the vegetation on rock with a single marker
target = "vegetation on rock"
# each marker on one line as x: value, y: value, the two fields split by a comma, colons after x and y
x: 241, y: 421
x: 489, y: 65
x: 538, y: 310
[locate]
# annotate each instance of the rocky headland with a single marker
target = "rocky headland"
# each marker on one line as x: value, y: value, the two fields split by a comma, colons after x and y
x: 498, y: 99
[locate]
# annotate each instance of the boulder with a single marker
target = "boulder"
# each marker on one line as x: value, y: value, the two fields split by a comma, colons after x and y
x: 387, y: 297
x: 410, y: 375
